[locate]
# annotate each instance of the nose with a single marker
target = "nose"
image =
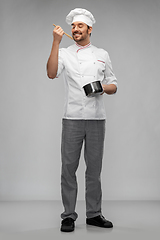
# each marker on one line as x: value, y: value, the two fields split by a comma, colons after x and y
x: 76, y: 28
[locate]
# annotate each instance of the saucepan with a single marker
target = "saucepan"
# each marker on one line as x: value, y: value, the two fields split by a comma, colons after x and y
x: 93, y: 89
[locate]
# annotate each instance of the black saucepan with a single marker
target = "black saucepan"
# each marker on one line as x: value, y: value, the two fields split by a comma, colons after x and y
x: 92, y: 89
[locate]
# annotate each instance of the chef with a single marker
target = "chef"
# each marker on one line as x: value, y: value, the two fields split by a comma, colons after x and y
x: 84, y: 118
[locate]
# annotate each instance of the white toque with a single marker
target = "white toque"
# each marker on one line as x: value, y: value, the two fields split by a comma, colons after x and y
x: 80, y: 15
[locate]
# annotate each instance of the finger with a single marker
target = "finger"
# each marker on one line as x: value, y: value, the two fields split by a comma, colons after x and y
x: 58, y: 28
x: 59, y: 31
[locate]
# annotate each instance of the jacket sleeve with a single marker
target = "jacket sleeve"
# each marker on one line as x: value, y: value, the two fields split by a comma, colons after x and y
x: 109, y: 76
x: 60, y: 63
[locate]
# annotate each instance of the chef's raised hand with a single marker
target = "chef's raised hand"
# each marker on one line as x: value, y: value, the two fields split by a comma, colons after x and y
x: 52, y: 64
x: 58, y: 34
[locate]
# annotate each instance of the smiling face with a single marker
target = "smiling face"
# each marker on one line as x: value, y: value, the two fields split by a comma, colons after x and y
x: 81, y: 33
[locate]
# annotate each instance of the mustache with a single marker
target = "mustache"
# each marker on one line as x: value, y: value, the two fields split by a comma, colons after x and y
x: 76, y: 32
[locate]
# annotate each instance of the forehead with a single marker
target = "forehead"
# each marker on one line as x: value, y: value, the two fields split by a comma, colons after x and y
x: 78, y: 23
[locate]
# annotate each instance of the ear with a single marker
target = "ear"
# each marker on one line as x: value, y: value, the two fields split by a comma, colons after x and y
x: 89, y: 30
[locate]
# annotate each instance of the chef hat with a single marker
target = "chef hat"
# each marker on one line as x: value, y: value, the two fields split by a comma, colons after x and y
x: 80, y: 15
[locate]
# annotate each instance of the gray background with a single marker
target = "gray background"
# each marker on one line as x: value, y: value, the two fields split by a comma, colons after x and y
x: 31, y: 105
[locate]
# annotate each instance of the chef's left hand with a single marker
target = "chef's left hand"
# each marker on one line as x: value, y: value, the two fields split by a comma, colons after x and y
x: 109, y: 89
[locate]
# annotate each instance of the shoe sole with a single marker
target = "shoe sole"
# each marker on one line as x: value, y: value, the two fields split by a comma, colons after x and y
x: 97, y: 225
x: 66, y: 230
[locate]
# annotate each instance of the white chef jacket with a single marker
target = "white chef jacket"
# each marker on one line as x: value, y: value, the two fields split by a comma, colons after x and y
x: 81, y: 65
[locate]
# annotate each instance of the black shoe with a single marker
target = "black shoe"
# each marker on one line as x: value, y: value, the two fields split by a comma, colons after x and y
x: 67, y: 225
x: 99, y: 221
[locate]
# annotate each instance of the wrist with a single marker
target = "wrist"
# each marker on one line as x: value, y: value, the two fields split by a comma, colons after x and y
x: 56, y: 42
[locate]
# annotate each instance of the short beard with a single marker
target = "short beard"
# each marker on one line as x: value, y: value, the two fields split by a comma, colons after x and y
x: 82, y: 39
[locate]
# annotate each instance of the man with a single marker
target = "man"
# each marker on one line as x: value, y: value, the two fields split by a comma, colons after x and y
x: 84, y: 117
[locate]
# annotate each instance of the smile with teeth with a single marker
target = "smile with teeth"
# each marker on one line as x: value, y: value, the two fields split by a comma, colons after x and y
x: 77, y: 34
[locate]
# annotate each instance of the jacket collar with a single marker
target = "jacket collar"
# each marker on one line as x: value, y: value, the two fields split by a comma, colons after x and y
x: 79, y: 47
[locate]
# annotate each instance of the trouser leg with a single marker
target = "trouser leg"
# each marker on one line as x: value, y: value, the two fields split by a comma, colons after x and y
x: 94, y: 142
x: 72, y: 140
